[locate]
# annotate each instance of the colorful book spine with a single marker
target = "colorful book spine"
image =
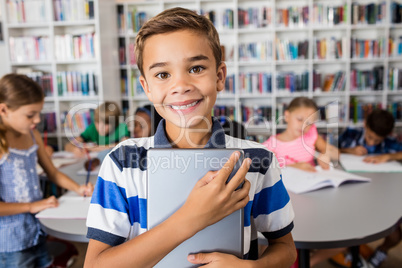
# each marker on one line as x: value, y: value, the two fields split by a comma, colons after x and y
x: 328, y: 14
x: 256, y: 115
x: 367, y: 80
x: 75, y: 47
x: 333, y: 82
x: 45, y: 81
x: 255, y: 51
x: 29, y: 49
x: 23, y: 11
x: 292, y: 82
x: 254, y: 17
x: 296, y: 16
x: 255, y: 83
x: 74, y: 83
x: 291, y: 50
x: 73, y: 10
x: 369, y: 13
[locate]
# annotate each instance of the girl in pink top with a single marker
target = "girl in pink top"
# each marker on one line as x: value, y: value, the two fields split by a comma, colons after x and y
x: 300, y: 143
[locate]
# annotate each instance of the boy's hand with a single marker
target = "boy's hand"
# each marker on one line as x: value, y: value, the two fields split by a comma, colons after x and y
x: 78, y: 152
x: 212, y: 199
x: 215, y: 259
x: 377, y: 159
x: 359, y: 150
x: 304, y: 166
x: 40, y: 205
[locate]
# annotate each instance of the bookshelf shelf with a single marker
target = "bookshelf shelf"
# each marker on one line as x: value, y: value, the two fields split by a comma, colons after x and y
x: 346, y: 70
x: 98, y: 72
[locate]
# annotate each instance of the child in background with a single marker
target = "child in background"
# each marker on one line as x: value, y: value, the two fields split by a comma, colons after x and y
x: 105, y: 131
x: 146, y: 119
x: 22, y: 242
x: 300, y: 143
x: 180, y: 59
x: 373, y: 138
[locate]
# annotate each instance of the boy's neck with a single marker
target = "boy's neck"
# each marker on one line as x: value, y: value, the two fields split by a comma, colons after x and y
x: 192, y: 137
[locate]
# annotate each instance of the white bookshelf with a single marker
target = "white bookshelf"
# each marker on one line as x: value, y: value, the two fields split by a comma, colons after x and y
x: 311, y: 31
x: 45, y: 23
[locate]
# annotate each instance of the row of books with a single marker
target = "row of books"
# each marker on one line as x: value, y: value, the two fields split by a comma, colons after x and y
x: 395, y: 109
x: 74, y: 47
x: 369, y: 13
x: 359, y: 110
x: 26, y: 49
x: 255, y: 51
x: 396, y: 12
x: 230, y: 85
x: 47, y: 123
x: 329, y: 48
x: 328, y: 14
x: 292, y: 82
x: 254, y: 17
x: 74, y: 83
x: 333, y: 82
x: 224, y: 112
x: 73, y: 10
x: 292, y: 16
x: 394, y: 79
x: 255, y: 83
x: 134, y: 21
x: 23, y: 11
x: 76, y: 123
x: 134, y: 89
x: 291, y: 50
x: 367, y: 80
x: 256, y: 115
x: 45, y: 81
x: 222, y: 19
x: 365, y: 48
x: 395, y: 46
x: 122, y: 51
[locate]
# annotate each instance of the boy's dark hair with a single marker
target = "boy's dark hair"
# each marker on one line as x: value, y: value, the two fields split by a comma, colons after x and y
x: 107, y: 113
x: 177, y: 19
x: 381, y: 122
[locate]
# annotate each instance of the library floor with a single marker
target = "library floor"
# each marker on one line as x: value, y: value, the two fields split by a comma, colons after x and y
x: 394, y: 259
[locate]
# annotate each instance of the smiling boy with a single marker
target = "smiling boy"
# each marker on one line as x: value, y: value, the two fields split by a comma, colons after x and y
x: 179, y: 57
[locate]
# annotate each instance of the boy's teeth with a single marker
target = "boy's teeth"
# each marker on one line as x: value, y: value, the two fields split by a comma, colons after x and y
x: 182, y: 107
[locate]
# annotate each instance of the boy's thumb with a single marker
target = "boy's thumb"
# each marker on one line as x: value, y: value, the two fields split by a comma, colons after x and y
x: 199, y: 258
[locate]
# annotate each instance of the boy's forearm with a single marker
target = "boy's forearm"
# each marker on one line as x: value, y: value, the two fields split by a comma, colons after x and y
x: 395, y: 156
x: 346, y: 150
x: 147, y: 249
x: 281, y: 253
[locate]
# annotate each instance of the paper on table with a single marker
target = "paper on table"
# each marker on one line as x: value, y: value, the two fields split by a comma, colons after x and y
x: 65, y: 154
x: 58, y: 162
x: 354, y: 163
x: 70, y: 207
x: 300, y: 181
x: 84, y: 172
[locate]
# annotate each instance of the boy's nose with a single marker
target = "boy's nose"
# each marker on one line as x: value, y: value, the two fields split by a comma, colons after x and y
x: 181, y: 86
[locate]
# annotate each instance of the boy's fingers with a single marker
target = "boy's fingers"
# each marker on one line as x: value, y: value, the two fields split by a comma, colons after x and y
x: 240, y: 175
x: 224, y: 172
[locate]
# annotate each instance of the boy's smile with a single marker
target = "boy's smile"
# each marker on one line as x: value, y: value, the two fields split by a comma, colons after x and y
x: 181, y: 78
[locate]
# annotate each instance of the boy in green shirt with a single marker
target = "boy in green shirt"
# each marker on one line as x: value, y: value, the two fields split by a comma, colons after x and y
x: 104, y: 131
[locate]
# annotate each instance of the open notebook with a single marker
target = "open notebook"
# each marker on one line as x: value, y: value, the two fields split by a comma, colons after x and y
x: 70, y: 207
x: 299, y: 181
x: 354, y: 163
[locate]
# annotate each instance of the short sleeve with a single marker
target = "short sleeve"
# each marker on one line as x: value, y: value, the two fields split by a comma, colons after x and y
x: 108, y: 218
x: 269, y: 143
x: 272, y: 210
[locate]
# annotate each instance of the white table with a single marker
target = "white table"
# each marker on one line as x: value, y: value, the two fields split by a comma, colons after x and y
x: 70, y: 229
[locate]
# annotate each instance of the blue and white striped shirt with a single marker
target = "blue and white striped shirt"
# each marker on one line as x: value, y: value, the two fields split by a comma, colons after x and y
x: 118, y: 208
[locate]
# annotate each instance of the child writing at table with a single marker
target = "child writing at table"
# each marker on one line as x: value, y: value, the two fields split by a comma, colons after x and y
x: 180, y: 59
x: 105, y: 132
x: 22, y: 242
x: 373, y: 139
x: 300, y: 143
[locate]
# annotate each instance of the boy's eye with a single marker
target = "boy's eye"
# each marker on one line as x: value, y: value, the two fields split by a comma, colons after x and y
x: 162, y: 75
x: 196, y: 69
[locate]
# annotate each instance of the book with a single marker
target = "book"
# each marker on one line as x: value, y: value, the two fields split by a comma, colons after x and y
x: 70, y: 207
x: 299, y: 181
x: 354, y: 163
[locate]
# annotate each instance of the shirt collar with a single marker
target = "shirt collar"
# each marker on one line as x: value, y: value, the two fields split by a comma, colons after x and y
x: 217, y: 139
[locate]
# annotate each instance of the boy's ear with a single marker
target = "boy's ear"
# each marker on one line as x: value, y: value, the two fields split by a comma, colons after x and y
x: 3, y: 109
x: 145, y: 87
x: 221, y: 77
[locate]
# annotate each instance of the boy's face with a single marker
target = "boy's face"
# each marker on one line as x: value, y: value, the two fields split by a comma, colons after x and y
x: 371, y: 138
x: 181, y: 78
x: 102, y: 128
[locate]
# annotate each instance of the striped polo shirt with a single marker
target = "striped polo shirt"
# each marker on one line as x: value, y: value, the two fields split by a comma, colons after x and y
x: 118, y: 209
